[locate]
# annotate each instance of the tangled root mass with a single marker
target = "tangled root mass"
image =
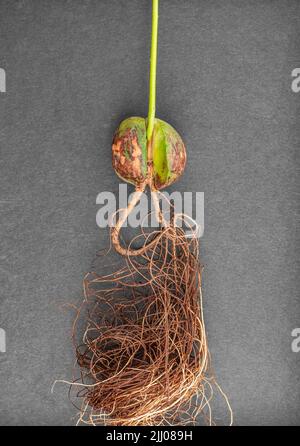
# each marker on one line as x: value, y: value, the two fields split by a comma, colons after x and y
x: 143, y: 357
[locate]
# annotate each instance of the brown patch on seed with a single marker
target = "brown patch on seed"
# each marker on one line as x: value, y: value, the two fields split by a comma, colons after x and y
x: 127, y: 156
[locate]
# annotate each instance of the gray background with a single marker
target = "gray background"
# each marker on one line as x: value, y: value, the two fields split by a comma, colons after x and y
x: 74, y: 70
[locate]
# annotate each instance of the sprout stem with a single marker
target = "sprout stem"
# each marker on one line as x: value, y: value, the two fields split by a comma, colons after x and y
x: 153, y: 64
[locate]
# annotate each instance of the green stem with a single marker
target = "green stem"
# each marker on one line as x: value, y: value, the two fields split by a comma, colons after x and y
x: 153, y: 64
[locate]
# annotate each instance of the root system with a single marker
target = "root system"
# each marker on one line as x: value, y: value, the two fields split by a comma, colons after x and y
x: 144, y: 358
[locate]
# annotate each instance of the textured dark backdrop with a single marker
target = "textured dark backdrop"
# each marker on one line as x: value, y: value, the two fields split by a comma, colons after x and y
x: 74, y: 69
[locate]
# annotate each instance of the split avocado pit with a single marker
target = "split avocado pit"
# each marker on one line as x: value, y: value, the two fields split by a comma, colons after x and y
x: 156, y: 163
